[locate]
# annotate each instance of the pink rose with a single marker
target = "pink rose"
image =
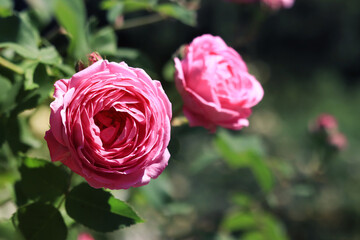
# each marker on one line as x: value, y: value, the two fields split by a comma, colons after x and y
x: 215, y: 85
x: 110, y: 123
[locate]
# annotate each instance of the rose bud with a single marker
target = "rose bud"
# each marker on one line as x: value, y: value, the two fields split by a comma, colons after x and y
x: 325, y: 132
x: 215, y: 85
x: 110, y: 123
x: 324, y: 122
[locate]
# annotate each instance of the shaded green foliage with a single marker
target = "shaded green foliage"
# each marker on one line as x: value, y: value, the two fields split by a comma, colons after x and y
x: 98, y: 209
x: 41, y: 181
x: 41, y: 221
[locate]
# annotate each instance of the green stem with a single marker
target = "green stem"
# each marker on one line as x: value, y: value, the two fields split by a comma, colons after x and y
x: 11, y: 66
x: 141, y: 21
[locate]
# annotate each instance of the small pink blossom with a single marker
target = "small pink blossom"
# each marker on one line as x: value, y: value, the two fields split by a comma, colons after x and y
x: 325, y: 129
x: 215, y: 85
x: 85, y: 236
x: 326, y: 121
x: 277, y: 4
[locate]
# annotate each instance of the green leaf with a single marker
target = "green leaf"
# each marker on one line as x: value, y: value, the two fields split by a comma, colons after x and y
x: 239, y: 221
x: 108, y: 4
x: 41, y: 180
x: 40, y: 221
x: 21, y: 99
x: 242, y: 143
x: 8, y: 231
x: 42, y: 11
x: 104, y: 41
x: 158, y: 192
x: 26, y: 135
x: 137, y: 5
x: 230, y: 156
x: 239, y: 151
x: 241, y: 200
x: 262, y: 173
x: 178, y: 12
x: 115, y: 11
x: 19, y: 35
x: 272, y: 229
x: 49, y: 56
x: 5, y: 86
x: 13, y: 135
x: 169, y: 71
x: 128, y: 53
x: 6, y: 8
x: 66, y: 69
x: 30, y: 67
x: 127, y: 6
x: 98, y: 209
x: 45, y: 82
x: 71, y: 15
x: 19, y: 49
x: 38, y: 86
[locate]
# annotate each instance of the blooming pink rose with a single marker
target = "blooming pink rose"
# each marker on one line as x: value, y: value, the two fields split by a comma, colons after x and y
x: 110, y: 123
x: 215, y: 85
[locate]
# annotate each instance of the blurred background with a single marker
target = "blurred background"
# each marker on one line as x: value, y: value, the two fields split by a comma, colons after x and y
x: 280, y: 178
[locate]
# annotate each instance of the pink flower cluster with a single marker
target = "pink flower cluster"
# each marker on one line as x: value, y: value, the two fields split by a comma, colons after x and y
x: 273, y: 4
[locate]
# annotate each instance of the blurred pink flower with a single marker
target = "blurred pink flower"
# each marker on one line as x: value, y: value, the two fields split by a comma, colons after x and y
x: 273, y: 4
x: 326, y: 121
x: 338, y: 140
x: 325, y: 129
x: 215, y: 85
x: 277, y: 4
x: 85, y: 236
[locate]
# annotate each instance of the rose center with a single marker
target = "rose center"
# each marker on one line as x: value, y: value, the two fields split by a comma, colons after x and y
x: 111, y: 124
